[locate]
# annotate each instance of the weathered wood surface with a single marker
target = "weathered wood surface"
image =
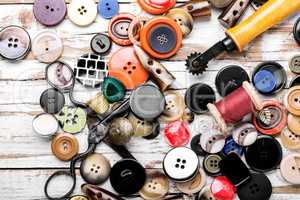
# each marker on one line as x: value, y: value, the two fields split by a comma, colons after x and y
x: 26, y: 160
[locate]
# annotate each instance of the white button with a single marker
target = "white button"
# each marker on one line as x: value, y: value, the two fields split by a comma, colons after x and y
x: 82, y: 12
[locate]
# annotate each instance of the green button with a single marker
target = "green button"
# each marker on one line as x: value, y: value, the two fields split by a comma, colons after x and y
x: 113, y: 89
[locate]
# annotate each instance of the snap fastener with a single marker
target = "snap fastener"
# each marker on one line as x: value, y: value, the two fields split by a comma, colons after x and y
x: 141, y: 128
x: 49, y: 13
x: 15, y: 43
x: 47, y: 47
x: 95, y: 169
x: 45, y: 125
x: 264, y: 155
x: 232, y: 146
x: 52, y: 101
x: 290, y: 168
x: 82, y: 13
x: 196, y: 146
x: 78, y: 197
x: 181, y: 164
x: 294, y: 64
x: 177, y: 134
x: 156, y: 7
x: 101, y: 44
x: 64, y: 146
x: 212, y: 141
x: 90, y: 70
x: 118, y: 28
x: 295, y: 81
x: 183, y: 19
x: 294, y: 123
x: 205, y: 194
x: 72, y: 119
x: 99, y: 104
x: 292, y: 100
x: 222, y: 188
x: 230, y: 78
x: 193, y: 186
x: 108, y: 8
x: 297, y: 31
x: 161, y: 37
x: 125, y: 66
x: 113, y: 89
x: 290, y: 140
x: 220, y: 3
x: 211, y: 164
x: 175, y: 106
x: 198, y: 96
x: 120, y: 131
x: 155, y: 187
x: 245, y: 134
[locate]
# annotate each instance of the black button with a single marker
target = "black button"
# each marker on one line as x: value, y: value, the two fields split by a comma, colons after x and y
x: 127, y: 176
x: 297, y: 31
x: 295, y: 81
x: 264, y: 155
x: 162, y: 39
x: 258, y: 3
x: 52, y: 101
x: 101, y: 44
x: 198, y: 96
x: 230, y: 78
x: 196, y: 146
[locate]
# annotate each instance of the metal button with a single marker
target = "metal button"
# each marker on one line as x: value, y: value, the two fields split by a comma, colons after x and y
x: 78, y: 197
x: 113, y: 89
x: 294, y: 124
x: 45, y: 125
x: 175, y: 106
x: 64, y: 146
x: 141, y: 128
x: 183, y: 19
x: 292, y: 100
x: 290, y: 168
x: 211, y: 164
x: 196, y: 146
x: 82, y: 13
x: 52, y: 101
x: 232, y: 146
x: 120, y: 131
x: 177, y: 133
x: 101, y: 44
x: 212, y: 141
x: 244, y: 134
x: 297, y: 31
x: 193, y: 186
x: 290, y: 140
x: 294, y: 64
x: 108, y: 8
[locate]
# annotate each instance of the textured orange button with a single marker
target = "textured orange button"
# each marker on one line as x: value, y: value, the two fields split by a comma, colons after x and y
x: 65, y: 146
x: 156, y: 7
x: 292, y: 100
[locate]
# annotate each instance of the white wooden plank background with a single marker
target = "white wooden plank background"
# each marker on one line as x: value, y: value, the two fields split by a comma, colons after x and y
x: 26, y: 160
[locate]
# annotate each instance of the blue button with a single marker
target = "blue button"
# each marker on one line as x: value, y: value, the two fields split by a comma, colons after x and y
x: 108, y: 8
x: 264, y: 81
x: 232, y: 146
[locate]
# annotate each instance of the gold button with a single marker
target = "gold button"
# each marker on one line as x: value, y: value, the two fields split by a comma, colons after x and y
x: 65, y: 146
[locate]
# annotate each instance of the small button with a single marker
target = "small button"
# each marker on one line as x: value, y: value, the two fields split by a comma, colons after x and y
x: 292, y: 100
x: 245, y: 134
x: 294, y: 123
x: 290, y: 140
x: 95, y: 169
x: 211, y: 164
x: 45, y: 125
x: 14, y: 42
x: 175, y: 106
x: 52, y: 101
x: 205, y: 194
x: 232, y: 146
x: 101, y: 44
x: 212, y: 141
x: 181, y: 164
x: 72, y: 119
x: 82, y: 13
x: 113, y: 89
x: 155, y: 187
x: 177, y: 134
x: 297, y: 31
x: 120, y: 131
x: 141, y: 128
x: 49, y: 13
x: 65, y: 146
x: 196, y: 146
x: 222, y: 188
x: 78, y: 197
x: 193, y: 186
x: 294, y: 64
x: 183, y: 19
x: 108, y: 8
x: 125, y: 66
x: 290, y: 168
x: 198, y: 96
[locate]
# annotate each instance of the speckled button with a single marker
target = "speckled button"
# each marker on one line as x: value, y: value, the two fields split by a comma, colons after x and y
x: 290, y: 168
x: 264, y: 81
x: 120, y: 131
x: 183, y: 19
x: 211, y: 164
x: 195, y: 185
x: 15, y: 43
x: 245, y: 134
x: 196, y: 146
x: 108, y: 8
x: 175, y: 106
x: 205, y: 194
x: 212, y: 141
x: 232, y: 146
x: 177, y: 133
x: 47, y: 47
x: 297, y: 31
x: 78, y: 197
x: 82, y: 13
x: 52, y: 101
x: 101, y: 44
x: 95, y: 169
x: 49, y: 13
x: 64, y: 146
x: 141, y: 128
x: 294, y: 124
x: 290, y: 140
x: 294, y: 64
x: 292, y: 100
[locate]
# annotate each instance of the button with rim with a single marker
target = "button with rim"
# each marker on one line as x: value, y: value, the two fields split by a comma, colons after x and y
x: 294, y: 64
x: 177, y: 133
x: 196, y: 146
x: 222, y: 188
x: 65, y: 146
x: 78, y: 197
x: 212, y: 141
x: 290, y: 140
x: 183, y: 19
x: 205, y: 194
x: 244, y: 134
x: 141, y: 128
x: 113, y: 89
x: 82, y: 13
x: 232, y: 146
x: 294, y: 123
x: 15, y: 43
x: 49, y: 13
x: 297, y: 31
x: 290, y: 168
x: 292, y: 100
x: 101, y: 44
x: 52, y: 101
x: 108, y: 8
x: 120, y: 131
x: 211, y: 164
x: 156, y: 7
x: 193, y: 186
x: 175, y: 106
x: 45, y: 125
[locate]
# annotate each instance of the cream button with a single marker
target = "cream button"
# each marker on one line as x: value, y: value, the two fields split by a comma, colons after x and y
x: 82, y: 13
x: 290, y: 168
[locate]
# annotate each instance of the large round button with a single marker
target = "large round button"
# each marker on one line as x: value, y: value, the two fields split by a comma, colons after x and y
x: 198, y: 96
x: 156, y: 7
x: 230, y: 78
x: 49, y: 13
x: 125, y: 66
x: 101, y: 44
x: 193, y: 186
x: 292, y: 100
x: 52, y: 101
x: 294, y: 124
x: 95, y: 169
x: 155, y: 187
x: 108, y: 8
x: 45, y: 125
x: 222, y: 188
x: 290, y: 140
x: 82, y: 13
x: 245, y: 134
x: 290, y: 168
x: 212, y: 141
x: 183, y: 19
x: 181, y: 164
x: 294, y: 64
x: 47, y: 47
x: 177, y: 133
x: 14, y: 43
x: 205, y: 194
x: 264, y: 155
x: 175, y: 106
x: 211, y: 164
x: 297, y: 31
x: 120, y: 131
x: 141, y: 127
x: 147, y: 102
x: 196, y: 146
x: 78, y: 197
x: 65, y: 146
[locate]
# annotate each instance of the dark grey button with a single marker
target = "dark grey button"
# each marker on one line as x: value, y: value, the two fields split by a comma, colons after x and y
x: 101, y: 44
x: 163, y: 39
x: 52, y: 101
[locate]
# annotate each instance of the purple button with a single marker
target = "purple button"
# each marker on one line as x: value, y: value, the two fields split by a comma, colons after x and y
x: 49, y: 12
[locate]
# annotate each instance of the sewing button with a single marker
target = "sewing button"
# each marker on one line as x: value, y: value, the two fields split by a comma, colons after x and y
x: 205, y: 194
x: 95, y: 169
x: 198, y: 96
x: 155, y: 187
x: 45, y: 125
x: 196, y: 146
x: 147, y: 102
x: 161, y: 37
x: 108, y: 8
x: 113, y: 89
x: 220, y: 3
x: 78, y: 197
x: 127, y: 177
x: 294, y: 124
x: 245, y: 134
x: 120, y: 131
x: 125, y: 66
x: 82, y: 13
x: 232, y: 146
x: 229, y: 79
x: 141, y: 128
x: 156, y: 7
x: 212, y: 141
x: 72, y: 119
x: 52, y: 101
x: 101, y: 44
x: 188, y: 116
x: 47, y: 47
x: 64, y: 146
x: 222, y: 188
x: 290, y: 140
x: 297, y: 31
x: 292, y: 100
x: 295, y: 81
x: 264, y: 155
x: 264, y: 81
x: 15, y: 43
x: 99, y: 104
x: 177, y: 133
x: 183, y: 19
x: 290, y: 168
x: 211, y: 164
x: 175, y: 106
x: 49, y: 13
x: 294, y: 64
x: 193, y: 186
x: 181, y: 164
x: 257, y: 187
x: 118, y: 28
x: 155, y: 131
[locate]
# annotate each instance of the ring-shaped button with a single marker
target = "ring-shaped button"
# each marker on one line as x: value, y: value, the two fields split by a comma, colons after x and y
x: 156, y: 7
x: 195, y: 185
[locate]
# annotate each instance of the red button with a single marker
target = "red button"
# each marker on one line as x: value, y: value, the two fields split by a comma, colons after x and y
x: 177, y: 134
x: 222, y: 189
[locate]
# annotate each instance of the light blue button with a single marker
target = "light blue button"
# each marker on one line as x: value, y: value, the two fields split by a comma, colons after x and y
x: 108, y: 8
x: 264, y: 81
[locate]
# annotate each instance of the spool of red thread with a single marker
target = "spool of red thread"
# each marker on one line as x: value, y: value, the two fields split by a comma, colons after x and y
x: 235, y: 106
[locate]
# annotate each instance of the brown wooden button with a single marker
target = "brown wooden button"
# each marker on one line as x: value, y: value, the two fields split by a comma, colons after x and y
x: 294, y: 124
x: 290, y: 140
x: 195, y: 185
x: 174, y: 108
x: 65, y: 146
x: 292, y: 100
x: 290, y: 168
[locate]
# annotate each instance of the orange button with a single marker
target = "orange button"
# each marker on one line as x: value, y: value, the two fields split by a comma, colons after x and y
x: 156, y: 7
x: 65, y: 146
x: 292, y: 100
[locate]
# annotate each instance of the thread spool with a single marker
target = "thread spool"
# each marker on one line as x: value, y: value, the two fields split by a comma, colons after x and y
x: 235, y: 106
